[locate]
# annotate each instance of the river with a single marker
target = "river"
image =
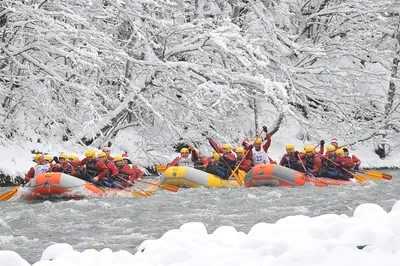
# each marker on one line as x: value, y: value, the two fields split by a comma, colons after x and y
x: 123, y: 223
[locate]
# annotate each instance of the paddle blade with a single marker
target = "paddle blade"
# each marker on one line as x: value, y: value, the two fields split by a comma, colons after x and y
x: 142, y: 193
x: 378, y: 175
x: 170, y: 188
x: 9, y: 194
x: 161, y: 168
x: 361, y: 179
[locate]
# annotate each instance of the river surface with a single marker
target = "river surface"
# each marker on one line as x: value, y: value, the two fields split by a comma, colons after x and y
x: 123, y: 223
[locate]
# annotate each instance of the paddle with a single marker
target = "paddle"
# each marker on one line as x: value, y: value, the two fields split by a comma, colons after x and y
x: 360, y: 179
x: 244, y: 156
x: 376, y: 175
x: 148, y: 193
x: 9, y: 194
x: 171, y: 188
x: 161, y: 168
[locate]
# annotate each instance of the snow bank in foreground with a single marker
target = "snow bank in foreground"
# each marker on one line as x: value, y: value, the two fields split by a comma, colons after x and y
x: 295, y: 240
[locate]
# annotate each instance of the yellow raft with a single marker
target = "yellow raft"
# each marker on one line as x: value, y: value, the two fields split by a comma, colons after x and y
x: 183, y: 176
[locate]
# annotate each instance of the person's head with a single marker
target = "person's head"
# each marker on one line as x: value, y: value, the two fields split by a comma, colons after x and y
x: 73, y: 158
x: 39, y: 159
x: 289, y: 148
x: 63, y: 158
x: 90, y: 155
x: 185, y: 153
x: 216, y: 156
x: 240, y: 152
x: 118, y: 160
x: 126, y: 159
x: 309, y: 149
x: 331, y: 150
x: 48, y: 158
x: 334, y: 142
x: 257, y: 143
x: 302, y: 151
x: 107, y: 150
x: 102, y: 155
x: 345, y: 151
x: 340, y: 152
x: 226, y: 148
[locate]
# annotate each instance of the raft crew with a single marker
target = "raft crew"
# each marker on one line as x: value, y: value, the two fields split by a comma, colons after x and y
x: 291, y: 158
x: 135, y: 168
x: 311, y: 161
x: 185, y: 159
x: 41, y: 167
x: 95, y: 169
x: 331, y: 164
x: 226, y: 162
x: 245, y: 164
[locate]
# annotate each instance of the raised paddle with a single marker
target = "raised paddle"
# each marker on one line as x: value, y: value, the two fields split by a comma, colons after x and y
x: 237, y: 167
x: 171, y: 188
x: 360, y: 179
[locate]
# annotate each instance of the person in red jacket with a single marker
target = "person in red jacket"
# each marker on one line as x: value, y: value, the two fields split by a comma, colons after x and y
x: 258, y: 153
x: 355, y: 160
x: 107, y: 151
x: 291, y: 158
x: 185, y: 159
x: 135, y: 168
x: 95, y: 169
x: 331, y: 164
x: 347, y: 164
x: 41, y: 167
x: 126, y: 175
x: 245, y: 164
x: 112, y: 168
x: 311, y: 160
x: 226, y: 162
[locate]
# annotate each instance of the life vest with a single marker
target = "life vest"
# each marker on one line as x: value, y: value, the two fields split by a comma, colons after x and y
x: 41, y: 168
x: 90, y: 168
x: 225, y: 163
x: 185, y: 162
x: 67, y: 170
x: 330, y: 166
x: 121, y: 173
x: 199, y: 163
x: 309, y: 163
x: 259, y: 157
x: 290, y: 161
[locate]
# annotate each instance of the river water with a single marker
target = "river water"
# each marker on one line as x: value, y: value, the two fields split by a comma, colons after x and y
x: 123, y: 223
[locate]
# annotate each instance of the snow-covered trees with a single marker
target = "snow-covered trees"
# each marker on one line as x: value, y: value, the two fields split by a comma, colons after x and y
x: 172, y: 71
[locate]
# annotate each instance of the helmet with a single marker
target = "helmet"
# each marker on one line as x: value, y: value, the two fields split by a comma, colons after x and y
x: 101, y: 154
x: 239, y: 150
x: 216, y: 156
x: 90, y: 153
x: 309, y: 148
x: 302, y: 152
x: 73, y: 157
x: 48, y: 158
x: 63, y: 156
x: 197, y: 151
x: 331, y: 148
x: 227, y: 146
x: 214, y: 151
x: 118, y: 158
x: 289, y: 146
x: 257, y: 141
x: 184, y: 150
x: 340, y: 151
x: 37, y: 157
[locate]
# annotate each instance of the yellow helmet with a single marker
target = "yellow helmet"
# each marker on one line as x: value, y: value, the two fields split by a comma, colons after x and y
x: 239, y: 150
x: 216, y: 156
x: 63, y: 156
x: 197, y: 151
x: 118, y: 158
x: 90, y: 153
x: 37, y: 157
x: 330, y: 148
x: 302, y: 152
x: 48, y: 158
x: 101, y: 154
x: 309, y: 148
x: 289, y: 146
x: 227, y: 146
x: 184, y: 150
x: 73, y: 157
x: 214, y: 151
x: 257, y: 141
x: 340, y: 151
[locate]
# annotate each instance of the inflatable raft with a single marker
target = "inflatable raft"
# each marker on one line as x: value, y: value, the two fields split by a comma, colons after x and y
x: 276, y: 175
x: 183, y: 176
x: 60, y: 185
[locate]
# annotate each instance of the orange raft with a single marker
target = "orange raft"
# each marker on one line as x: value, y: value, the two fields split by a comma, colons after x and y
x: 276, y: 175
x: 60, y: 185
